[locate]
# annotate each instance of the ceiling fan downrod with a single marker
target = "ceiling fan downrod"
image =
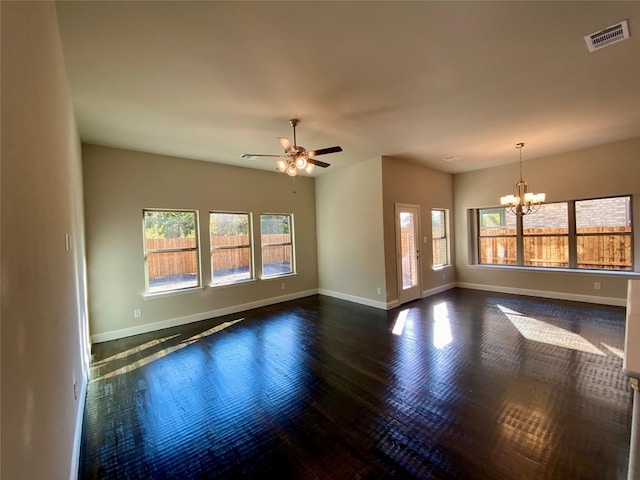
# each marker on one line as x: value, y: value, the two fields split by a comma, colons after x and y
x: 294, y: 122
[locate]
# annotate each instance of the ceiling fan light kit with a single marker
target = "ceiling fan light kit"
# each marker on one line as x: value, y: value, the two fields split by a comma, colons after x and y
x: 295, y: 157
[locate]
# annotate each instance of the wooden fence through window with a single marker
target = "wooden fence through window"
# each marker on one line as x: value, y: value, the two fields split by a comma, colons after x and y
x: 597, y: 248
x: 164, y: 264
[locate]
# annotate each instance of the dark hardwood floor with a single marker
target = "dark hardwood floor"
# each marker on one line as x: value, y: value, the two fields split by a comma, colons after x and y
x: 476, y: 385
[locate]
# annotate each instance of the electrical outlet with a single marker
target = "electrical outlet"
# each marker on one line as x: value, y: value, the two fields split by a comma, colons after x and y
x: 137, y: 313
x: 596, y: 285
x: 379, y: 291
x: 67, y: 242
x: 283, y: 286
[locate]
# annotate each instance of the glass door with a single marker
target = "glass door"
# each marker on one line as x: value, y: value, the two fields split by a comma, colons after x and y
x: 408, y: 252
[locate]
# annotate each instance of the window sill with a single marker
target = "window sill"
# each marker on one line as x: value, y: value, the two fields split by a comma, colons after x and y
x: 232, y: 284
x: 580, y: 271
x: 275, y: 277
x: 171, y: 293
x: 441, y: 267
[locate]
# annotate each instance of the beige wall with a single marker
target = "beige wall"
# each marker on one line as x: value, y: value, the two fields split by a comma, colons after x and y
x: 606, y: 170
x: 43, y: 307
x: 350, y: 233
x: 408, y: 183
x: 119, y: 184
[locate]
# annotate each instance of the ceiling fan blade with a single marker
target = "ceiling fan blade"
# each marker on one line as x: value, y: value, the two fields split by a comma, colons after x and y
x: 324, y: 151
x: 286, y: 144
x: 251, y: 156
x: 318, y: 163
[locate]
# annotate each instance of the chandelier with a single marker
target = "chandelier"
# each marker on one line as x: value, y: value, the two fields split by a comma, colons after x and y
x: 522, y: 202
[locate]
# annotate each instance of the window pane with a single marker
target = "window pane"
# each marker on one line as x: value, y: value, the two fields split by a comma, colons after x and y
x: 231, y: 264
x: 498, y: 250
x: 552, y: 218
x: 276, y: 260
x: 611, y: 252
x: 437, y: 223
x: 495, y: 221
x: 439, y: 252
x: 604, y: 226
x: 275, y: 229
x: 170, y: 229
x: 439, y: 237
x: 172, y: 270
x: 603, y: 215
x: 408, y: 249
x: 546, y: 251
x: 171, y: 250
x: 229, y: 229
x: 230, y: 236
x: 546, y: 240
x: 276, y: 236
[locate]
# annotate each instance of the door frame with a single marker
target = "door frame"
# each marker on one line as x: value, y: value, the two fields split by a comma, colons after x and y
x: 412, y: 293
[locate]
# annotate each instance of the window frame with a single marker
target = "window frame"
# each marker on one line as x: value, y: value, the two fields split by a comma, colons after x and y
x: 572, y: 239
x: 445, y: 236
x: 539, y: 235
x: 291, y: 243
x: 503, y: 223
x: 147, y: 252
x: 249, y: 245
x: 578, y: 235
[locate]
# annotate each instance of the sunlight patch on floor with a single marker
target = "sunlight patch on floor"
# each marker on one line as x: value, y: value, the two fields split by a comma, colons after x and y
x: 133, y: 350
x: 165, y: 351
x: 441, y: 326
x: 616, y: 351
x: 543, y: 332
x: 398, y: 326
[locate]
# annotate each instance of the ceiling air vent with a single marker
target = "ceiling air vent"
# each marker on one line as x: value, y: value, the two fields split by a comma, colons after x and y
x: 610, y: 35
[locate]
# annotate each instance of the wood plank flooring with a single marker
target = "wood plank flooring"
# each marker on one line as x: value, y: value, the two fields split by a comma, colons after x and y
x: 460, y: 385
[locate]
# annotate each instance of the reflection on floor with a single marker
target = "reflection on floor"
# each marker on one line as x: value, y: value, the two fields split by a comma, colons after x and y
x: 461, y: 385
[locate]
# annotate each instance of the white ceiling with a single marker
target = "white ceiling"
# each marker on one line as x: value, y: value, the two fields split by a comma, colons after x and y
x: 417, y: 80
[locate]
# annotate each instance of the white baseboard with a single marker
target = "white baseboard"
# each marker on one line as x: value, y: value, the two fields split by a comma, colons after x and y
x: 174, y: 322
x: 438, y: 289
x: 379, y: 304
x: 196, y: 317
x: 77, y: 436
x: 352, y: 298
x: 619, y: 302
x: 393, y: 304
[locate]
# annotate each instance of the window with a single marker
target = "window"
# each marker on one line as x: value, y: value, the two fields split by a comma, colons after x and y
x: 603, y: 229
x: 546, y: 236
x: 276, y: 236
x: 170, y: 250
x: 231, y: 253
x: 440, y: 237
x: 592, y: 234
x: 497, y: 242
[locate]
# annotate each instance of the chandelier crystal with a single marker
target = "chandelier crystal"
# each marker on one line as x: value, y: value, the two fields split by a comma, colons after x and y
x: 522, y: 202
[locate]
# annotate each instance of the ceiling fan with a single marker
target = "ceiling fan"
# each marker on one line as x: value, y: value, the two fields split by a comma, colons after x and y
x: 296, y: 157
